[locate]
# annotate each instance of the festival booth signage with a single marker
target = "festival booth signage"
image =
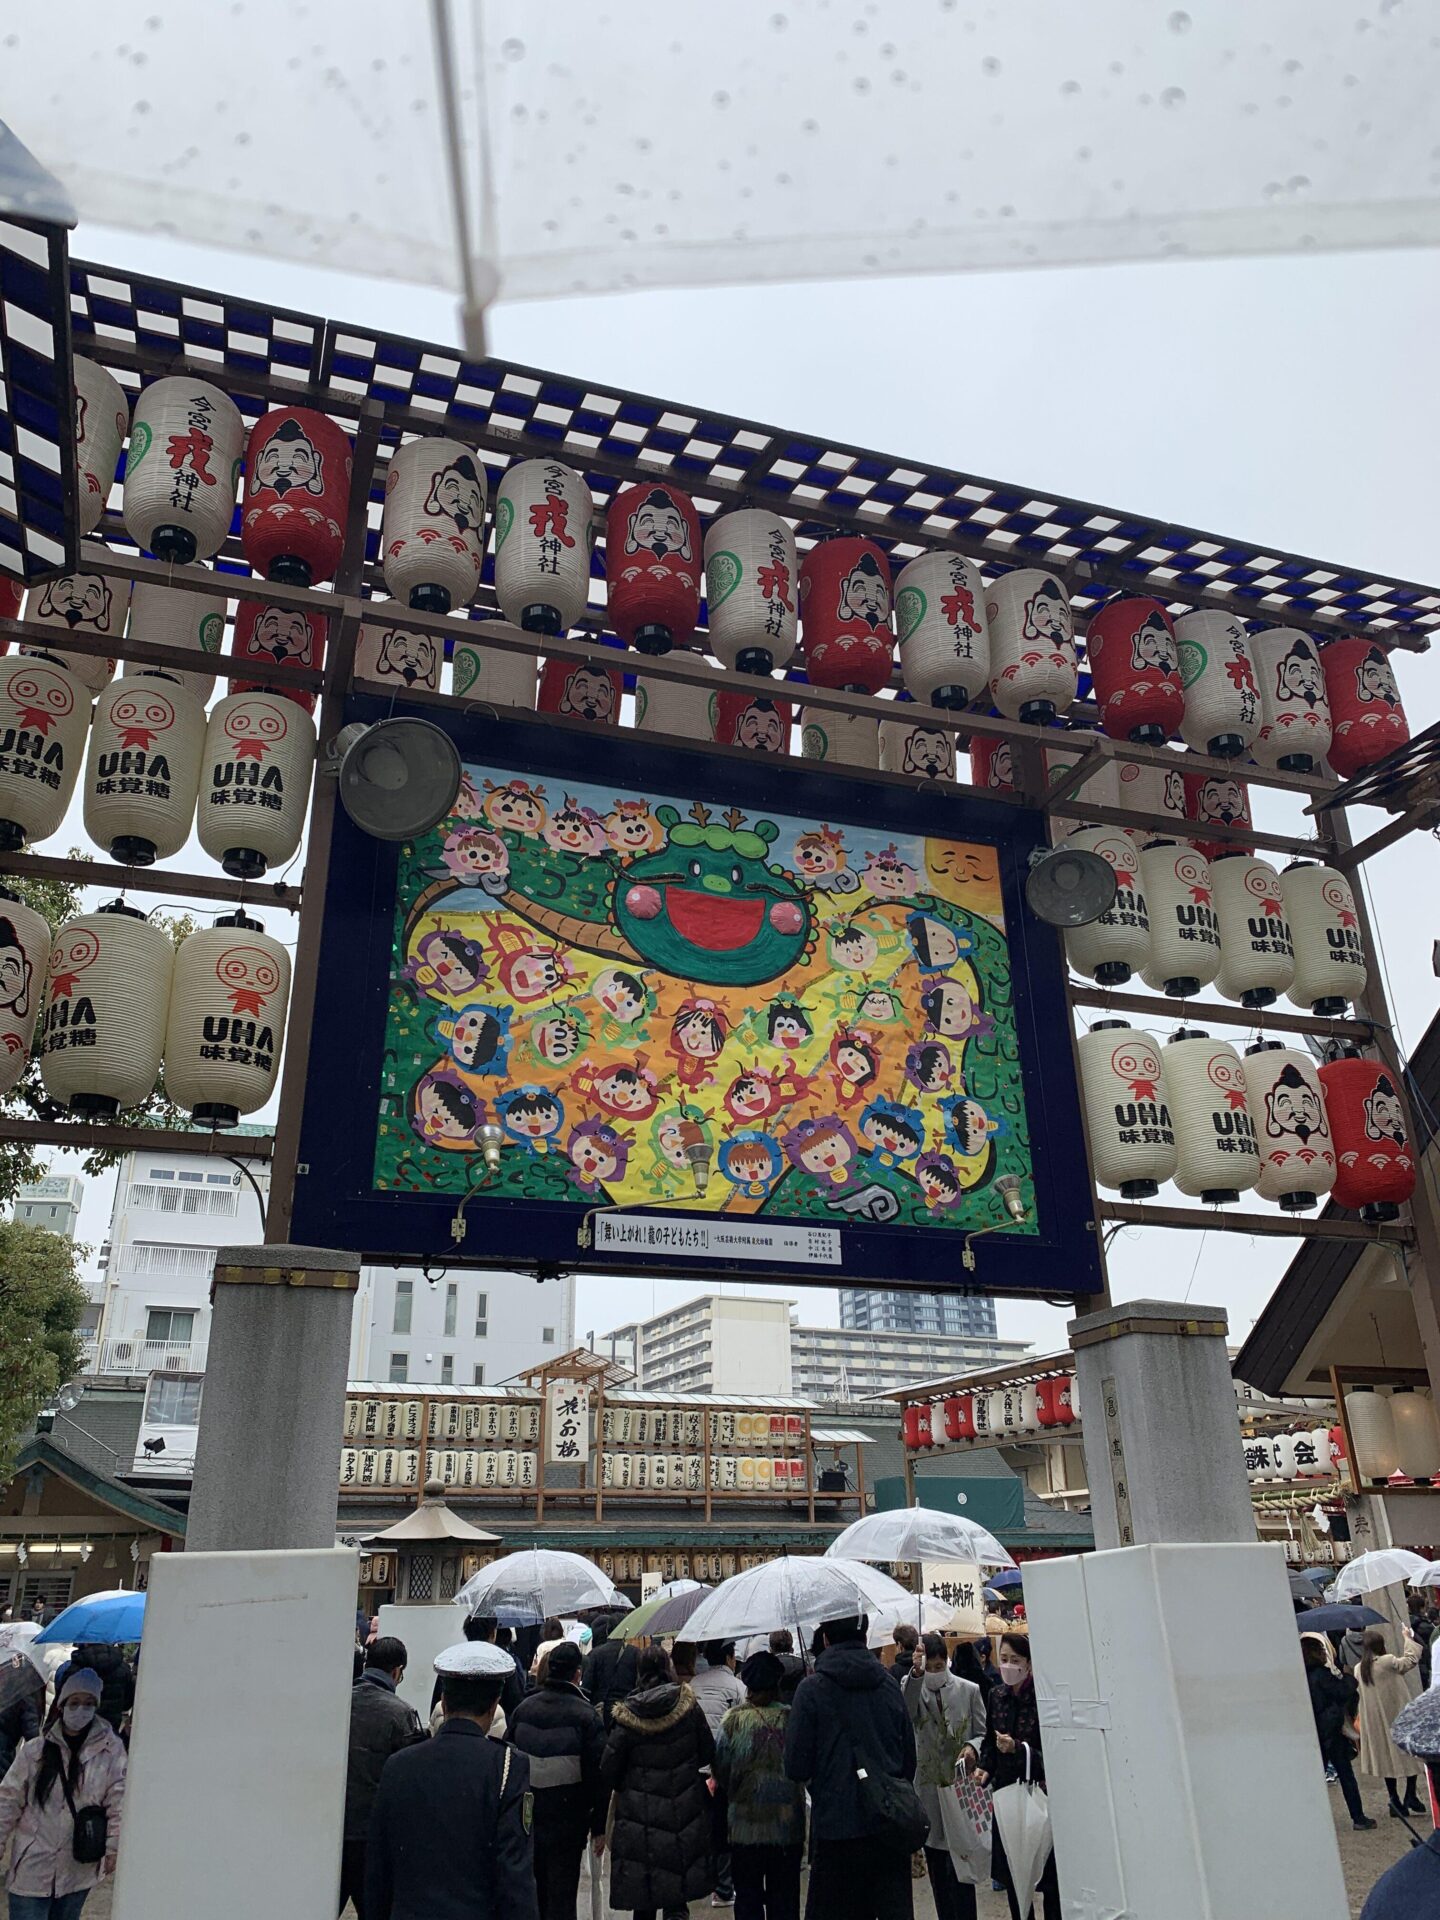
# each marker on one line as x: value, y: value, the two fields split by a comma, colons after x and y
x: 727, y: 1016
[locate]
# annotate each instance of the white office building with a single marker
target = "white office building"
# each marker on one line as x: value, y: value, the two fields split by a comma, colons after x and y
x: 52, y: 1202
x: 173, y: 1210
x: 844, y: 1363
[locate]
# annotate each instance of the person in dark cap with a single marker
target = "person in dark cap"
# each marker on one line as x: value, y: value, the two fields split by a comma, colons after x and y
x: 449, y: 1837
x: 765, y: 1812
x: 560, y: 1732
x: 381, y: 1723
x: 1410, y: 1890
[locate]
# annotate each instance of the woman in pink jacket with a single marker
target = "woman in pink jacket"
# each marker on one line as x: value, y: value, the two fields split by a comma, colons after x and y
x: 78, y: 1762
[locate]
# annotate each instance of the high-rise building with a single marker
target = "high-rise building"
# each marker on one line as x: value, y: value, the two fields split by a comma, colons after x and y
x: 906, y: 1310
x: 52, y: 1202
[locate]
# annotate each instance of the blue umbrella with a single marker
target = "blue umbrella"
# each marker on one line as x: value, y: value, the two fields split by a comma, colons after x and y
x: 1009, y: 1577
x: 110, y: 1619
x: 1332, y: 1619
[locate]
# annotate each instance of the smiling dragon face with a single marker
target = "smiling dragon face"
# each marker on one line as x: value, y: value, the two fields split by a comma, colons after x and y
x: 707, y: 906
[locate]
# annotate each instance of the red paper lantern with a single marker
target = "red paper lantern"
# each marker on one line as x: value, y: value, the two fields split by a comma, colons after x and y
x: 1220, y: 797
x: 927, y: 1429
x: 652, y: 564
x: 1047, y: 1400
x: 845, y: 632
x: 12, y: 592
x: 1338, y: 1449
x: 910, y: 1425
x: 1135, y: 665
x: 1365, y: 711
x: 297, y: 495
x: 750, y: 720
x: 280, y: 636
x: 581, y: 691
x: 991, y: 763
x: 1065, y: 1399
x: 1374, y: 1158
x: 960, y: 1417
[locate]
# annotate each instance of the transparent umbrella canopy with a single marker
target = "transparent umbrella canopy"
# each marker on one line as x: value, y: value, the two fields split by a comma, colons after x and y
x: 918, y: 1533
x: 541, y: 1580
x: 798, y: 1591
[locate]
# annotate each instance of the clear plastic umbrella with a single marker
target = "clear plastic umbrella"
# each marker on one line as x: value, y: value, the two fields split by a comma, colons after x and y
x: 918, y: 1533
x: 1427, y: 1576
x: 1384, y: 1567
x: 918, y: 1611
x: 799, y: 1591
x: 540, y: 1581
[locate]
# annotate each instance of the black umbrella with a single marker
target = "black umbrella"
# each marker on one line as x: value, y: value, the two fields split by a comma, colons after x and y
x: 1338, y: 1619
x: 19, y: 1676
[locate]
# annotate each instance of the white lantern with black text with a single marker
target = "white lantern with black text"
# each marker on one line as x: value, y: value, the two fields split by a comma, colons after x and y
x: 102, y: 415
x: 254, y: 781
x: 44, y: 712
x: 940, y: 614
x: 1184, y: 935
x: 544, y: 515
x: 92, y: 604
x: 24, y: 957
x: 142, y: 772
x: 107, y: 998
x: 1216, y: 1155
x: 1287, y: 1108
x: 1294, y: 706
x: 227, y: 1020
x: 1217, y: 671
x: 1257, y: 958
x: 1330, y: 968
x: 1132, y: 1138
x: 399, y: 657
x: 752, y: 594
x: 1034, y: 673
x: 181, y: 474
x: 176, y: 617
x: 432, y: 531
x: 1111, y: 948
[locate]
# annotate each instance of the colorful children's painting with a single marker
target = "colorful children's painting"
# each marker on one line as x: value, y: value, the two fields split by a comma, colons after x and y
x: 660, y: 1002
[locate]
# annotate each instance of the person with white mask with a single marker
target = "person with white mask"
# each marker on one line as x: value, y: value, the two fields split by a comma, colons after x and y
x: 948, y: 1715
x: 61, y: 1802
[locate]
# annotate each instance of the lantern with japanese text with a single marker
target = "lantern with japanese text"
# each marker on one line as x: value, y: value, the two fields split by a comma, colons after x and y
x: 1217, y: 671
x: 281, y: 637
x: 102, y: 415
x: 1216, y: 1155
x: 1417, y: 1435
x: 142, y: 772
x: 841, y: 739
x: 581, y: 690
x: 1217, y: 798
x: 995, y: 1411
x: 254, y: 782
x: 1033, y: 671
x: 1330, y: 969
x: 1257, y: 956
x: 1184, y: 934
x: 479, y: 671
x: 1294, y: 709
x: 1052, y: 1401
x: 398, y: 656
x: 1109, y: 949
x: 750, y: 720
x: 1157, y: 791
x: 543, y: 536
x: 1312, y: 1454
x: 752, y: 590
x: 845, y: 632
x: 182, y: 469
x: 1372, y: 1434
x: 24, y: 957
x: 1287, y: 1108
x: 176, y: 617
x: 940, y: 614
x: 672, y: 706
x: 432, y: 530
x: 910, y: 746
x: 297, y: 496
x: 915, y: 1424
x: 992, y: 763
x: 92, y: 604
x: 102, y: 1034
x: 1134, y: 663
x: 44, y: 712
x: 227, y: 1020
x: 1132, y: 1139
x: 1374, y: 1157
x: 652, y: 566
x: 1365, y: 708
x: 960, y: 1416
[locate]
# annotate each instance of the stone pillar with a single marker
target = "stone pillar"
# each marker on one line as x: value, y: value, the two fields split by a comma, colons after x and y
x: 1162, y: 1441
x: 267, y: 1460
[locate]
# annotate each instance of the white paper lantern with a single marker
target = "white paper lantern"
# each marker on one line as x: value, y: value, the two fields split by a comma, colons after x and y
x: 1184, y: 934
x: 24, y: 958
x: 481, y: 672
x: 1033, y: 670
x: 1373, y: 1438
x: 186, y: 442
x: 1312, y: 1454
x: 142, y: 772
x: 254, y: 782
x: 1216, y: 1155
x: 1417, y: 1434
x: 544, y: 515
x: 398, y: 656
x: 1294, y: 707
x: 1287, y: 1108
x: 1111, y: 948
x: 44, y: 711
x: 176, y: 617
x: 752, y: 592
x: 102, y: 415
x: 1153, y: 790
x: 1283, y: 1453
x: 102, y: 1034
x: 227, y: 1020
x: 669, y: 706
x: 1330, y: 969
x: 944, y: 645
x: 1132, y: 1138
x: 1257, y: 957
x: 1217, y: 671
x: 432, y: 531
x: 841, y: 740
x: 1030, y: 1407
x: 996, y: 1410
x: 910, y: 746
x: 90, y: 603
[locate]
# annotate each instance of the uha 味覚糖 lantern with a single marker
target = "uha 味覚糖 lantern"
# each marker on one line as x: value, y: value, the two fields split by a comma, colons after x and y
x: 92, y: 604
x: 845, y: 632
x: 1365, y: 710
x: 107, y: 998
x: 652, y: 566
x: 1294, y: 710
x: 1216, y: 1155
x: 24, y: 957
x: 912, y: 746
x: 297, y: 495
x: 1330, y: 967
x: 1033, y: 670
x: 1217, y: 798
x: 227, y: 1020
x: 398, y: 656
x: 1287, y: 1108
x: 254, y: 782
x: 1184, y: 934
x: 544, y: 533
x: 142, y: 772
x: 102, y: 415
x: 1374, y: 1159
x: 432, y: 531
x: 752, y: 590
x: 581, y: 690
x: 281, y: 637
x: 1111, y: 948
x: 750, y: 720
x: 1257, y: 956
x: 1217, y: 671
x: 176, y: 617
x: 940, y: 615
x: 1132, y: 1138
x: 1134, y: 663
x: 44, y: 712
x: 182, y: 469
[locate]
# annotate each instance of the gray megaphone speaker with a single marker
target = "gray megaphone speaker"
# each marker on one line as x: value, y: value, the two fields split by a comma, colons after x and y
x: 398, y: 778
x: 1069, y: 887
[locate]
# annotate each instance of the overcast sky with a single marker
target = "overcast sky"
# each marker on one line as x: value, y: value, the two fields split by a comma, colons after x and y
x: 1282, y: 401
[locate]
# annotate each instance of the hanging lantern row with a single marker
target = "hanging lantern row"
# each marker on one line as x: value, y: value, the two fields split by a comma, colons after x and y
x: 1022, y: 1407
x: 1394, y: 1432
x: 1312, y: 1454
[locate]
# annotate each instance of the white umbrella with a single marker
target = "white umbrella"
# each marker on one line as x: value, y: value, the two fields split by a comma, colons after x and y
x: 542, y: 1581
x: 1384, y: 1567
x: 919, y: 1611
x: 918, y: 1533
x: 1021, y: 1812
x: 1428, y: 1576
x: 799, y: 1591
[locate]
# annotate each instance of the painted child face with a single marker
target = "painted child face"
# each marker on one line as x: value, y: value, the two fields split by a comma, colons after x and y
x: 939, y: 1190
x: 630, y: 832
x: 877, y: 1005
x: 938, y: 941
x: 855, y: 949
x: 671, y: 1142
x: 475, y: 1038
x: 973, y: 1128
x: 748, y: 1098
x: 697, y: 1036
x: 628, y: 1093
x: 829, y: 1155
x: 512, y: 808
x: 788, y: 1030
x: 535, y: 1122
x: 750, y: 1166
x: 475, y: 852
x: 534, y: 974
x: 557, y: 1040
x: 570, y: 830
x: 890, y: 879
x: 618, y: 994
x: 453, y: 970
x: 813, y: 857
x: 437, y: 1120
x: 852, y: 1065
x: 593, y: 1158
x: 954, y: 1009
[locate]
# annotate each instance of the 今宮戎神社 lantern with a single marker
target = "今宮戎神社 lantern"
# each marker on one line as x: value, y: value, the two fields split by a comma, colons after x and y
x: 227, y: 1020
x: 44, y: 713
x: 752, y: 590
x: 910, y: 745
x: 1217, y: 799
x: 750, y: 720
x: 1374, y: 1158
x: 1367, y: 718
x: 1294, y: 710
x: 544, y: 533
x: 182, y: 469
x: 1132, y: 1138
x: 1111, y: 948
x: 845, y: 631
x: 1257, y: 956
x: 1157, y: 791
x: 432, y: 529
x: 1287, y: 1108
x: 102, y: 415
x: 1033, y: 670
x: 102, y: 1034
x: 280, y: 637
x: 480, y: 671
x: 1134, y: 664
x: 841, y: 739
x: 92, y: 604
x: 581, y: 690
x: 176, y: 617
x: 297, y: 495
x: 1217, y: 671
x: 652, y: 566
x: 142, y: 773
x: 940, y: 617
x: 1184, y: 934
x: 24, y: 956
x: 1216, y: 1156
x: 254, y: 782
x: 398, y: 656
x: 1330, y: 967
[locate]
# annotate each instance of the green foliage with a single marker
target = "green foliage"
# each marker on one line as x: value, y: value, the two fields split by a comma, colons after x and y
x: 41, y: 1301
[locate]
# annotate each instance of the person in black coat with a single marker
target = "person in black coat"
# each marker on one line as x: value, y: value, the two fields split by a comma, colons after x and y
x: 483, y: 1629
x: 1333, y: 1699
x: 792, y: 1667
x: 662, y: 1840
x: 850, y: 1713
x: 380, y: 1724
x: 449, y: 1837
x: 1011, y: 1751
x: 612, y: 1668
x: 1410, y: 1890
x: 560, y: 1733
x: 20, y: 1718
